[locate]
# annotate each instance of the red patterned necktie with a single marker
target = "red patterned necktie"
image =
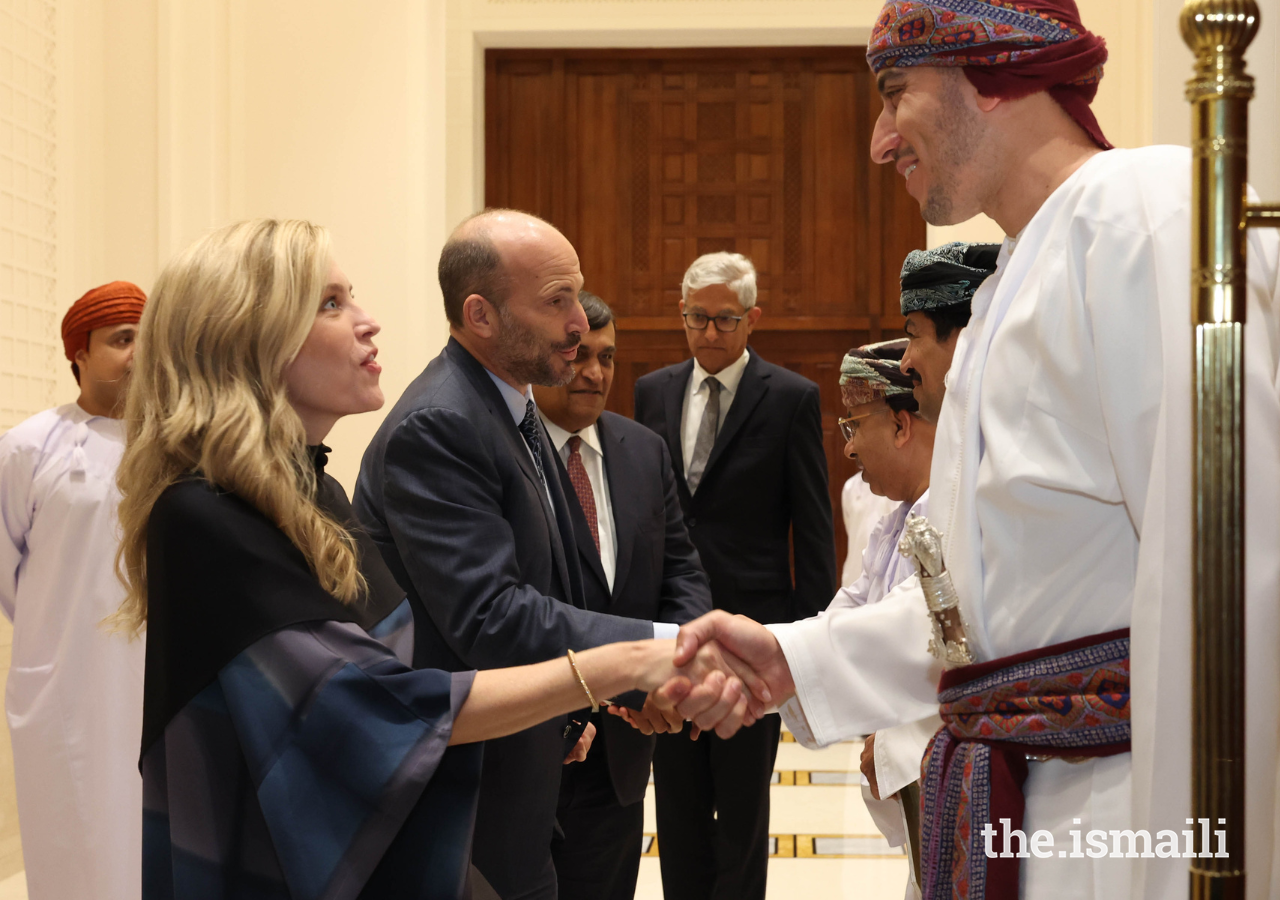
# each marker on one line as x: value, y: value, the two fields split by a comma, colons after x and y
x: 582, y: 487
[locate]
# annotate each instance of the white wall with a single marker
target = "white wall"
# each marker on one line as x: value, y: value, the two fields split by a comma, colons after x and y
x: 1171, y: 116
x: 338, y: 117
x: 205, y: 113
x: 28, y: 210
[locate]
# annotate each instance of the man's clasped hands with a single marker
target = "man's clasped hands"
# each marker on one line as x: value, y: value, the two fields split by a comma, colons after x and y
x: 726, y: 671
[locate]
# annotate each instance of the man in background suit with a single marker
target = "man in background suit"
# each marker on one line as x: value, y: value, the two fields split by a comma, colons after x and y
x: 637, y: 561
x: 746, y: 441
x: 459, y: 490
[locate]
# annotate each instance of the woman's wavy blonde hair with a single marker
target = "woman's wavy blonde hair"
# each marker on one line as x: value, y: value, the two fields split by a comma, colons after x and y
x: 208, y: 397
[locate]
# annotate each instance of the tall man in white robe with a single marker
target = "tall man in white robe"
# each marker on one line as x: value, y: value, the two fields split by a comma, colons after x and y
x: 1062, y: 472
x: 74, y: 696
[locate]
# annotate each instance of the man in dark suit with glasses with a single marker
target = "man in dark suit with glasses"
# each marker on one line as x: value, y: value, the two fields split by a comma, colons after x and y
x: 745, y: 437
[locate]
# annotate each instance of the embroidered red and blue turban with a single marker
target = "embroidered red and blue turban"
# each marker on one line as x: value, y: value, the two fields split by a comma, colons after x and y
x: 1007, y: 48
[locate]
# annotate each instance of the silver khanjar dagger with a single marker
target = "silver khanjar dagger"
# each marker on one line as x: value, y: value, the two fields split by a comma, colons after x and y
x: 922, y: 544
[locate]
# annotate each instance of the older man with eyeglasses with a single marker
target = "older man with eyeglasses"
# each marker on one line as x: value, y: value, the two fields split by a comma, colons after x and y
x: 746, y: 440
x: 871, y: 640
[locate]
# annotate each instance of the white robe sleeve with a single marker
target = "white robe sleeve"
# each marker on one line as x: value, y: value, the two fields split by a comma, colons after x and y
x: 858, y: 670
x: 887, y: 814
x: 17, y: 472
x: 899, y: 751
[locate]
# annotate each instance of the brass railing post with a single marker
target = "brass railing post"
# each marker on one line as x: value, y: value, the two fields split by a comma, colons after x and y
x: 1218, y: 31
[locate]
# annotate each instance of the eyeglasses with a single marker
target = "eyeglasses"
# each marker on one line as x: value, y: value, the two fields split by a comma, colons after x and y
x: 849, y: 425
x: 699, y: 322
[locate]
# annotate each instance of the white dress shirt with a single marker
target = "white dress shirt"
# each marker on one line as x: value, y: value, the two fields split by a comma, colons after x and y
x: 695, y: 400
x: 593, y: 461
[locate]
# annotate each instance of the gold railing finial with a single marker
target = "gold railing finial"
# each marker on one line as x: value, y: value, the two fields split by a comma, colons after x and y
x: 1224, y: 26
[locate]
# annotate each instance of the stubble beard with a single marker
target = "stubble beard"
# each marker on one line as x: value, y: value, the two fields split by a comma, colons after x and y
x: 526, y: 358
x: 929, y: 405
x: 960, y: 135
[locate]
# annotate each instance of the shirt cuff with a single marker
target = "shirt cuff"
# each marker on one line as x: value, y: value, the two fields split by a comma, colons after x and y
x: 665, y: 631
x: 803, y: 711
x: 798, y: 723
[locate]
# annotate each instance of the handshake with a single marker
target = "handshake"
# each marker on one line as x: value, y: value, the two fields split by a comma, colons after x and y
x: 723, y: 673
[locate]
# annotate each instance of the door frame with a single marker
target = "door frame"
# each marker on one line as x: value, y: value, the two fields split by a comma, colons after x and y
x: 467, y: 42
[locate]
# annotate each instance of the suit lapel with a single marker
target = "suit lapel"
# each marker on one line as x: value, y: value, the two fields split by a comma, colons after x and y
x: 497, y: 406
x: 673, y: 393
x: 624, y: 523
x: 751, y: 390
x: 485, y: 387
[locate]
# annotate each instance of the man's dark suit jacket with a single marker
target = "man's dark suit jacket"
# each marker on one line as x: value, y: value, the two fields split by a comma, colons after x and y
x: 450, y: 494
x: 657, y: 576
x: 766, y: 476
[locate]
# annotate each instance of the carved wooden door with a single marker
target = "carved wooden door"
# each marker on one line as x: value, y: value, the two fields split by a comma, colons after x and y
x: 647, y: 158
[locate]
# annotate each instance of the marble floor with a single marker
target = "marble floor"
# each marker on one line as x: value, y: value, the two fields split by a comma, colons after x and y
x: 826, y: 846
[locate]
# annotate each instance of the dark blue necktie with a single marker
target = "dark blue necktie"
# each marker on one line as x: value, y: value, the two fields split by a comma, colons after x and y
x: 529, y: 428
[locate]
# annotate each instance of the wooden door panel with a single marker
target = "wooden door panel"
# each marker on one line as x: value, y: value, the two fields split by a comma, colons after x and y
x: 648, y: 158
x: 596, y: 212
x: 835, y: 276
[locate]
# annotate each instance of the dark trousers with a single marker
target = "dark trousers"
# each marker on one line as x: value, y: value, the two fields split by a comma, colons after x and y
x: 713, y: 812
x: 597, y: 847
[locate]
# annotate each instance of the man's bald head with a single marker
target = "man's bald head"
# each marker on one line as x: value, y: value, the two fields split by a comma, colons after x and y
x: 475, y: 258
x: 510, y: 283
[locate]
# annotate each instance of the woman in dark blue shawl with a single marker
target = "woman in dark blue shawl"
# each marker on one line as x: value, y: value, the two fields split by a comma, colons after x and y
x: 286, y: 753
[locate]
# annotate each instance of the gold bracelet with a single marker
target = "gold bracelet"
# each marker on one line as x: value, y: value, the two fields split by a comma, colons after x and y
x: 595, y: 705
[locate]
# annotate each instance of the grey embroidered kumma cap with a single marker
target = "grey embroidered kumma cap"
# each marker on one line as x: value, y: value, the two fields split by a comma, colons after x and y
x: 945, y: 276
x: 873, y: 371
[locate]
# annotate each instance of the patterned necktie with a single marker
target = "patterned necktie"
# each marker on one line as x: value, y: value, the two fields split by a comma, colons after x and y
x: 529, y: 428
x: 582, y: 487
x: 706, y: 435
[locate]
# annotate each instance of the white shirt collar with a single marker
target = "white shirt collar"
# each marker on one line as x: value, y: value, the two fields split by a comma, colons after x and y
x: 516, y: 401
x: 729, y: 377
x: 559, y: 437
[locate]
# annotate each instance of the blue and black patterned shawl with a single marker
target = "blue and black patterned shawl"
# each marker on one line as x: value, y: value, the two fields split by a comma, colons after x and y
x: 311, y: 763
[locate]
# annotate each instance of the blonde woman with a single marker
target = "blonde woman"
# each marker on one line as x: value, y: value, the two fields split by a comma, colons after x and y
x: 285, y: 752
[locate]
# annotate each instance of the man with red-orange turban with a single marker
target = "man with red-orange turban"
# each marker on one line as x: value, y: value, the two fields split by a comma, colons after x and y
x: 1061, y: 479
x: 74, y: 698
x: 106, y: 320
